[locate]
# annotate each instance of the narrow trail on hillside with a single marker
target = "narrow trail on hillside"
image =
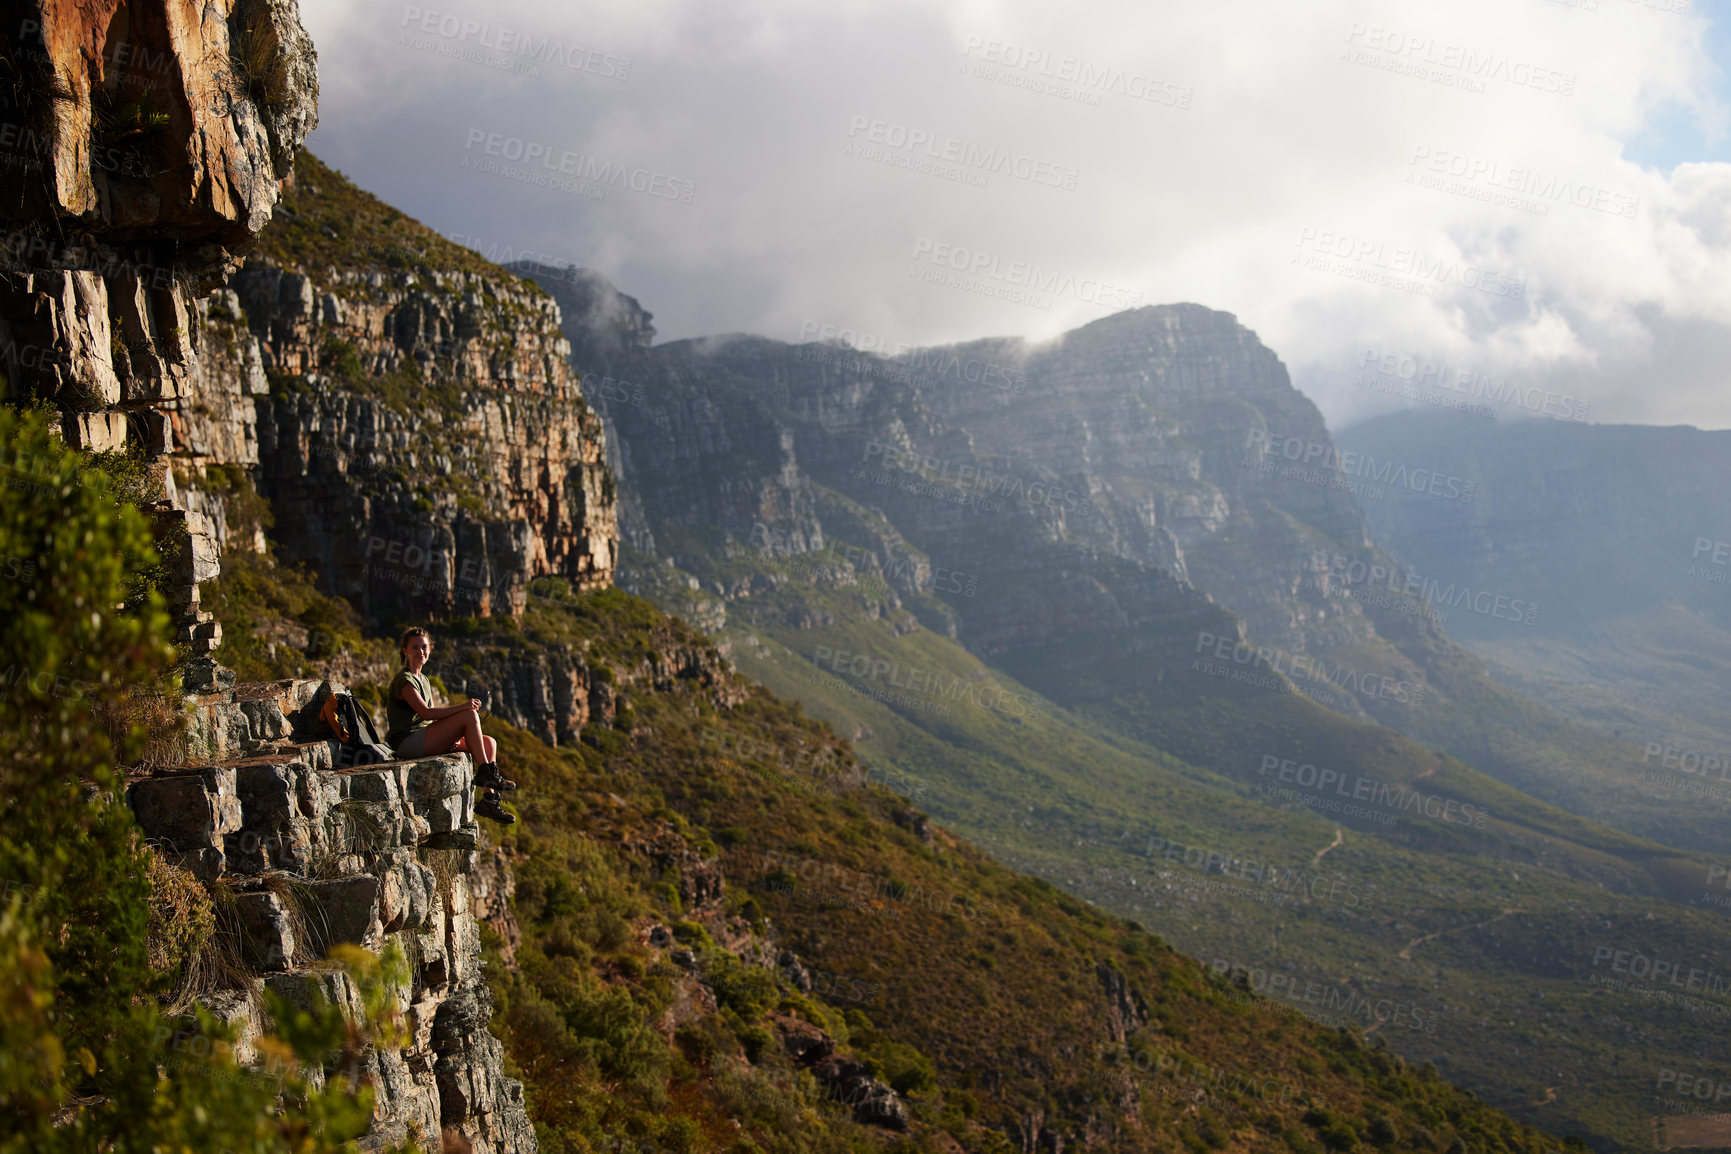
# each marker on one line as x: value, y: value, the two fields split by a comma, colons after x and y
x: 1377, y: 1025
x: 1338, y: 838
x: 1406, y: 954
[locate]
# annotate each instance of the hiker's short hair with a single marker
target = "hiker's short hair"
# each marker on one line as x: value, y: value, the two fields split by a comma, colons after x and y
x: 410, y: 634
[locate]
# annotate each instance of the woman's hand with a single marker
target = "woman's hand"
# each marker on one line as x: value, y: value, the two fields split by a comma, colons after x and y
x: 474, y: 706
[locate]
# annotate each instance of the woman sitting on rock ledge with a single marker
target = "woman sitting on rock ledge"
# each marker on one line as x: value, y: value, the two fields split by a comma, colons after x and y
x: 420, y: 730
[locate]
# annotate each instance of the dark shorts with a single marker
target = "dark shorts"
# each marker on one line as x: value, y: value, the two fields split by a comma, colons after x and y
x: 414, y: 745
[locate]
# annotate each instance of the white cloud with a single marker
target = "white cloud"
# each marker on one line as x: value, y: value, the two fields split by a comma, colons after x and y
x: 1301, y: 119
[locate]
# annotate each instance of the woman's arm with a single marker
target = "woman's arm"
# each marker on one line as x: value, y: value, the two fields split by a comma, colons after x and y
x: 425, y: 712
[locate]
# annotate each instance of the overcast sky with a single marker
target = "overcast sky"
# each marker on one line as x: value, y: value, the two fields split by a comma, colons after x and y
x: 1533, y: 190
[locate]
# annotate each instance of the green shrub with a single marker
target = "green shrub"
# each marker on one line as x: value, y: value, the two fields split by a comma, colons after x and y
x: 906, y: 1069
x: 96, y: 928
x: 1335, y: 1131
x: 757, y: 1042
x: 182, y: 917
x: 700, y: 1040
x: 691, y: 934
x: 339, y: 357
x: 746, y: 990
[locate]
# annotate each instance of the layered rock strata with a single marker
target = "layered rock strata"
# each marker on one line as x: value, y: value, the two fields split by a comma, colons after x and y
x: 425, y: 446
x: 555, y: 691
x: 144, y: 146
x: 316, y: 855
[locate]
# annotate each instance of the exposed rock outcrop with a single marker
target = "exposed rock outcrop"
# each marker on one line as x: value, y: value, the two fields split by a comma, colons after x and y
x: 1125, y: 1010
x: 554, y: 691
x: 610, y: 327
x: 316, y: 855
x: 426, y: 447
x: 681, y: 490
x: 846, y: 1079
x: 146, y: 144
x: 150, y: 121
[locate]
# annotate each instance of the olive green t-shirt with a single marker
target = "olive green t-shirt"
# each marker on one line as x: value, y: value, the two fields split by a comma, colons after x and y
x: 403, y: 720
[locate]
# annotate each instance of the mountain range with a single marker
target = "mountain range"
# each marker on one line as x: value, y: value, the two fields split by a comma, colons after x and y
x: 1617, y: 535
x: 1001, y: 747
x: 1120, y: 608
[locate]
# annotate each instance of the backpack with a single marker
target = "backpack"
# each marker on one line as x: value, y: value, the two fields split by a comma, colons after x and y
x: 353, y: 725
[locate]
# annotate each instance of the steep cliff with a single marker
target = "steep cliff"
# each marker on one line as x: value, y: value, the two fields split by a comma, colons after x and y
x: 309, y: 856
x: 423, y: 441
x: 1106, y: 474
x: 609, y: 326
x: 1615, y: 535
x: 156, y: 123
x: 146, y: 144
x: 1121, y: 519
x: 420, y: 444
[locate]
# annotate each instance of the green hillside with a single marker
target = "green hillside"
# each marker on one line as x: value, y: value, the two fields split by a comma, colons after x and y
x: 1239, y: 869
x: 999, y: 981
x: 991, y: 1000
x: 1143, y: 785
x: 326, y: 222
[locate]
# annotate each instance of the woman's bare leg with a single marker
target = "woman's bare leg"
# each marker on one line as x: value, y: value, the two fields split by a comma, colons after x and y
x: 489, y: 748
x: 444, y: 734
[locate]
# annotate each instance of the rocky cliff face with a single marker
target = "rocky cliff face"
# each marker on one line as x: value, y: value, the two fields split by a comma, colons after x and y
x: 1089, y: 487
x: 146, y: 144
x: 554, y: 691
x: 609, y: 327
x: 1587, y: 521
x: 426, y: 440
x: 425, y: 445
x: 409, y: 412
x: 160, y: 124
x: 316, y: 855
x: 681, y: 489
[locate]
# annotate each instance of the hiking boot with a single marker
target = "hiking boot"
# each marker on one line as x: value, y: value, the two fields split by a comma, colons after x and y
x: 490, y: 806
x: 487, y: 776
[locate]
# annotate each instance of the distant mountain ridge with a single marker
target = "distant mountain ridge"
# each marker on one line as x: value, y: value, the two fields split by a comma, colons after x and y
x: 1619, y: 535
x: 1182, y: 492
x: 1142, y: 529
